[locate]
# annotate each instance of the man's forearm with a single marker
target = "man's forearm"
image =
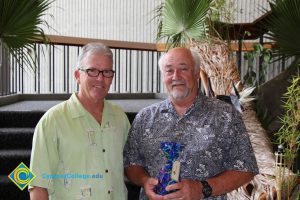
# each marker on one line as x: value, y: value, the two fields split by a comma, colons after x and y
x: 228, y: 181
x: 38, y: 193
x: 136, y: 174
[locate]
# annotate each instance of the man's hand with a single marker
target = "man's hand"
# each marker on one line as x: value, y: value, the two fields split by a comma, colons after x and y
x: 139, y: 176
x: 149, y: 186
x: 38, y: 193
x: 186, y: 189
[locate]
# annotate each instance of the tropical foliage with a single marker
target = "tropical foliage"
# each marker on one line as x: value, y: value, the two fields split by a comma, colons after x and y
x: 223, y: 10
x: 20, y: 25
x: 249, y: 57
x: 283, y: 24
x: 183, y: 21
x: 289, y: 133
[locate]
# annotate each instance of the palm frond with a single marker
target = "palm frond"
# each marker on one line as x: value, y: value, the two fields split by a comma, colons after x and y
x: 181, y: 21
x: 20, y: 25
x: 284, y: 27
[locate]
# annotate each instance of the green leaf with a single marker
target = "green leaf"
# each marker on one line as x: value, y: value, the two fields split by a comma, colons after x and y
x: 284, y: 27
x: 267, y: 55
x: 289, y: 133
x: 20, y: 22
x: 258, y: 48
x: 183, y: 20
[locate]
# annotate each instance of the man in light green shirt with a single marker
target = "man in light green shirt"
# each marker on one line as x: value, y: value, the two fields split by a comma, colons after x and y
x: 78, y: 144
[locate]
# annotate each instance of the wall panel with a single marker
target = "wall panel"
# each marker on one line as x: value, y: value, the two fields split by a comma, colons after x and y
x: 127, y: 20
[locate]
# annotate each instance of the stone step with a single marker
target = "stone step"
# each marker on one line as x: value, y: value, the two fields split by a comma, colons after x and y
x: 31, y: 118
x: 20, y: 118
x: 16, y: 138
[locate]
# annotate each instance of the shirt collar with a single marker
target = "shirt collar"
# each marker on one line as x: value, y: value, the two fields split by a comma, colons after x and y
x: 78, y: 110
x: 167, y: 106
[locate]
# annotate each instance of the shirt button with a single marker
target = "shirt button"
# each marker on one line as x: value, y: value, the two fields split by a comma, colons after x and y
x: 103, y: 150
x: 106, y: 170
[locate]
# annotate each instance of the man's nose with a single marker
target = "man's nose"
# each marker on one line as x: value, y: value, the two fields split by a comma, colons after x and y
x: 100, y: 76
x: 176, y: 74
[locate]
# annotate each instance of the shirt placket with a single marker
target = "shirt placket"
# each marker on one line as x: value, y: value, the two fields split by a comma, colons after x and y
x: 105, y: 153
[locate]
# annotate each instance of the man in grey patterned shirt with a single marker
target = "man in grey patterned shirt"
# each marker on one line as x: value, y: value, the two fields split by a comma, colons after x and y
x: 217, y: 155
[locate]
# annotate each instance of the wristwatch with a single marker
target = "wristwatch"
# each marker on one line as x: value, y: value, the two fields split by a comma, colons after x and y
x: 206, y: 189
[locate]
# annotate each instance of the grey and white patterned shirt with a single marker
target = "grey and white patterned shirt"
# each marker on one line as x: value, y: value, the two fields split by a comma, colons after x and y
x: 212, y: 133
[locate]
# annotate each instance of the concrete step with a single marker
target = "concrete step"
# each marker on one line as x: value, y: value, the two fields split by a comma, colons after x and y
x: 20, y: 118
x: 16, y: 138
x: 31, y: 118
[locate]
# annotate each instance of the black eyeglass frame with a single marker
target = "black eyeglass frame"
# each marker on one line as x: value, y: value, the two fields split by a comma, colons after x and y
x: 99, y: 71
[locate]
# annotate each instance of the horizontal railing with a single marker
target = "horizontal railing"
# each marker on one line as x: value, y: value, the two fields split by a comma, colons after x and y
x: 136, y: 66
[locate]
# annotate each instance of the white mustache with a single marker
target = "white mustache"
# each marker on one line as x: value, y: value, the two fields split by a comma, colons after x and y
x: 180, y: 82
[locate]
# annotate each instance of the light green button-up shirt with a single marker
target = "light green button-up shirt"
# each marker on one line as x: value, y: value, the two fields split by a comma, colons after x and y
x: 76, y: 158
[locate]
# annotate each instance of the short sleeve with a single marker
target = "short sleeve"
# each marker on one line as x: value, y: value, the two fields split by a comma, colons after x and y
x: 44, y: 156
x: 241, y: 156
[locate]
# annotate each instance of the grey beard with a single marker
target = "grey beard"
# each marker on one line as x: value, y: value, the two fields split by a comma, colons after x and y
x: 179, y: 95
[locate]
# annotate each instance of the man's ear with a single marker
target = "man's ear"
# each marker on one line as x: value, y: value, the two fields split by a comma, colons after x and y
x: 77, y: 76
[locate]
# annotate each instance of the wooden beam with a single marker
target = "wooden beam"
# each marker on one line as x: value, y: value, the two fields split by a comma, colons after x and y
x: 248, y: 46
x: 234, y: 46
x: 77, y: 41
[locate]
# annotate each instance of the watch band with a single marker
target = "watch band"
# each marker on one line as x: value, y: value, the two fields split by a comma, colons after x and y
x: 206, y: 189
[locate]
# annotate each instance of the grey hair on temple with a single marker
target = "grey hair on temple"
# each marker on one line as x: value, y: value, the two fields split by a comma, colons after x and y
x: 94, y: 48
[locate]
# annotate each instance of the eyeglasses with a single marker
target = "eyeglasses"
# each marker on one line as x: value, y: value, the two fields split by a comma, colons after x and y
x: 92, y: 72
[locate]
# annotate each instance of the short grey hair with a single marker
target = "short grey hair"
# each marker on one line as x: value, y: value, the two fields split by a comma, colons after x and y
x: 94, y: 48
x: 196, y: 59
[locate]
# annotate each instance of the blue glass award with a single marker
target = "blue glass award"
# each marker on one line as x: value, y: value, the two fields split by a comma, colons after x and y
x: 169, y: 173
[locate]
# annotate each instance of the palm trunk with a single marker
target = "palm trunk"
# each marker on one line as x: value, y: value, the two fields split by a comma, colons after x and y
x: 222, y: 71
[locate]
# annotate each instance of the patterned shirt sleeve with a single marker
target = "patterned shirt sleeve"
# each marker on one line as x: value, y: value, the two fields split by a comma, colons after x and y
x: 240, y: 156
x: 132, y: 154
